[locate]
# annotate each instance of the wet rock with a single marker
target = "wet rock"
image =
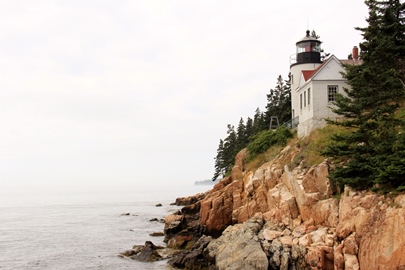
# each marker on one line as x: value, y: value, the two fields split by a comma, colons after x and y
x: 182, y: 201
x: 155, y: 234
x: 173, y: 224
x: 146, y: 253
x: 180, y: 239
x: 193, y: 258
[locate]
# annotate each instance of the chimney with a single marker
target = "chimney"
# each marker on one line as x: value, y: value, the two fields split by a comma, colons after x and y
x: 355, y: 53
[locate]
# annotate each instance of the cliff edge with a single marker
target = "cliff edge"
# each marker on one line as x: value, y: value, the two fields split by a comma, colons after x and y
x: 278, y: 217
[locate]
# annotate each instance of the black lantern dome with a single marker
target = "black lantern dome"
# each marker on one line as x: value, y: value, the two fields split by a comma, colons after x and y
x: 308, y: 49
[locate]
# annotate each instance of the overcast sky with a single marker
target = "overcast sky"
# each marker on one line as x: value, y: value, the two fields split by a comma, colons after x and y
x: 102, y: 92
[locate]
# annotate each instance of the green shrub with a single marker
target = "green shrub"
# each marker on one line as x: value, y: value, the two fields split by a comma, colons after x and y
x: 263, y: 140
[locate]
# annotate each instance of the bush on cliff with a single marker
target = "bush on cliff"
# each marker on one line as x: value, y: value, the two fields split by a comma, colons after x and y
x: 262, y: 141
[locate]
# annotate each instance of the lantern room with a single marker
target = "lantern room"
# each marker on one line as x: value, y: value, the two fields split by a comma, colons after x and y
x: 308, y: 50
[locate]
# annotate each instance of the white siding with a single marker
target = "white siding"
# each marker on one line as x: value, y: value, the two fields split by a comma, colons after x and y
x: 297, y: 80
x: 313, y: 115
x: 330, y: 71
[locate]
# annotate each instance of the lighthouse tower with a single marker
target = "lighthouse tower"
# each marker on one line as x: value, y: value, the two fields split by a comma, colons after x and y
x: 307, y: 57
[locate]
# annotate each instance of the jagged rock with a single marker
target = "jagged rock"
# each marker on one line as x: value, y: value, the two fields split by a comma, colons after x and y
x: 183, y: 201
x: 239, y: 248
x: 384, y: 246
x: 146, y: 253
x: 180, y: 239
x: 172, y: 222
x: 270, y: 235
x: 285, y: 257
x: 351, y: 262
x: 315, y: 257
x: 305, y: 228
x: 128, y: 253
x: 319, y: 235
x: 339, y: 262
x: 216, y: 209
x: 350, y: 245
x: 378, y: 227
x: 194, y: 258
x: 191, y: 209
x: 400, y: 200
x: 158, y: 205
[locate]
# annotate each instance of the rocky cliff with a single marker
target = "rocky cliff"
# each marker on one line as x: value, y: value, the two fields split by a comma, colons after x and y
x: 279, y: 217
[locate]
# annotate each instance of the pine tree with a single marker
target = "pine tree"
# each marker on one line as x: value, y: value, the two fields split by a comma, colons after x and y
x: 230, y: 149
x: 249, y: 129
x: 279, y: 101
x: 241, y: 139
x: 258, y: 122
x: 219, y: 161
x: 367, y: 149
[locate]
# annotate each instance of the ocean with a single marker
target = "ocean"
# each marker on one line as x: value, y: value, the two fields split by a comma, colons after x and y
x: 82, y: 229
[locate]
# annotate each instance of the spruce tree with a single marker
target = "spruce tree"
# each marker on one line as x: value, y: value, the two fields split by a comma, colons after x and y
x: 258, y: 122
x: 219, y: 161
x: 230, y: 149
x: 249, y: 129
x: 241, y: 139
x: 279, y: 101
x: 373, y: 141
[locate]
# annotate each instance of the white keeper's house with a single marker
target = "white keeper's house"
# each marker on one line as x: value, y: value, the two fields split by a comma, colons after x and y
x: 314, y: 83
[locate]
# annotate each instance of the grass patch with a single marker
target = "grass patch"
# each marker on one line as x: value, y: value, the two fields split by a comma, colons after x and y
x: 312, y: 146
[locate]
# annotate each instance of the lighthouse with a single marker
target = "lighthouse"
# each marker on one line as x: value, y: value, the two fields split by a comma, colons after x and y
x: 314, y: 84
x: 307, y: 57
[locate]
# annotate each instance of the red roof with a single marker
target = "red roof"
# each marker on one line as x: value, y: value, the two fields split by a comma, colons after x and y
x: 309, y: 73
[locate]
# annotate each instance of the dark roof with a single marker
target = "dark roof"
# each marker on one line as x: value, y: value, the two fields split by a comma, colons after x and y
x: 351, y: 61
x: 308, y: 37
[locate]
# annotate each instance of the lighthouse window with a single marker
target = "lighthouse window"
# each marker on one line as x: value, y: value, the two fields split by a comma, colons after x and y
x: 332, y: 90
x: 305, y: 99
x: 301, y: 101
x: 309, y: 96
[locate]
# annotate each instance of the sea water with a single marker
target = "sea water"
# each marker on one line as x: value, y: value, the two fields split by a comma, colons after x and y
x: 82, y: 229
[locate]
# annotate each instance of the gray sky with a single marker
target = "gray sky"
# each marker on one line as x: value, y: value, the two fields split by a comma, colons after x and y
x: 140, y: 92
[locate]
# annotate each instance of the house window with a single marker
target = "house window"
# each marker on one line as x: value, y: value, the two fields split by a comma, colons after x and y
x: 301, y: 101
x: 305, y: 98
x: 332, y: 90
x: 309, y: 96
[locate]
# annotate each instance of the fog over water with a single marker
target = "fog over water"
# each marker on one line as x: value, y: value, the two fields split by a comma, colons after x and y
x: 130, y: 93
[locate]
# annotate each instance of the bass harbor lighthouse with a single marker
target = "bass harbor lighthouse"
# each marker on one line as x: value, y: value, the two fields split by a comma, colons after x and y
x: 314, y: 83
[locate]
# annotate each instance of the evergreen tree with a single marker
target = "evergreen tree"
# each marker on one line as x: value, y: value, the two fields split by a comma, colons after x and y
x: 219, y: 161
x: 279, y: 101
x: 242, y: 139
x: 230, y: 149
x: 258, y: 122
x: 249, y: 129
x: 374, y: 139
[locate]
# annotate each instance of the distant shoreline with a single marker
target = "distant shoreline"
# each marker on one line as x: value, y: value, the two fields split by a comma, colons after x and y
x: 208, y: 182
